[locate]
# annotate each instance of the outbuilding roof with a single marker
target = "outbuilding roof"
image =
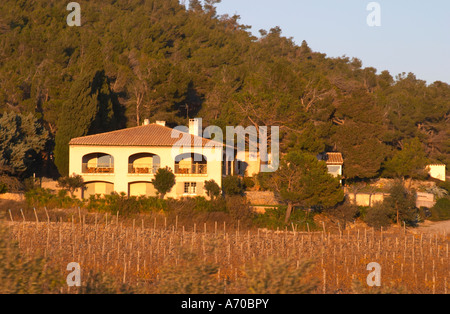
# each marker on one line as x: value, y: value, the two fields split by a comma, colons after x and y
x: 334, y: 159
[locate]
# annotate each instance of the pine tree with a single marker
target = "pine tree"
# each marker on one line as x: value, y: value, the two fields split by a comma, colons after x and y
x: 22, y: 138
x: 304, y: 181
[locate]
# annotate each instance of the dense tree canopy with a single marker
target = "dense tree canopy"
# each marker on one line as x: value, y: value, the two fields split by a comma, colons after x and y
x: 154, y: 59
x: 22, y: 138
x: 304, y: 181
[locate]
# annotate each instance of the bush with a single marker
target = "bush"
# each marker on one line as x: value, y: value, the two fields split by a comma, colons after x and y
x: 402, y: 203
x: 279, y: 276
x: 344, y: 212
x: 441, y: 210
x: 273, y: 218
x: 444, y: 185
x: 46, y: 198
x: 212, y: 189
x: 239, y: 210
x: 3, y: 188
x: 164, y: 181
x: 249, y: 182
x: 190, y: 276
x: 10, y: 184
x: 71, y: 184
x: 126, y: 206
x: 24, y: 275
x: 233, y: 185
x: 378, y: 216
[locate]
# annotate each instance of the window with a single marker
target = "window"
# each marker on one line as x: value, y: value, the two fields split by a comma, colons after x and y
x: 190, y: 188
x: 98, y: 163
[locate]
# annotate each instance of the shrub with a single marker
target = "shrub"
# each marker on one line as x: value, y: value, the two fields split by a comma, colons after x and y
x: 45, y: 197
x: 441, y: 210
x: 71, y: 184
x: 402, y: 203
x: 10, y: 184
x: 233, y: 185
x: 344, y: 212
x: 126, y: 206
x: 279, y: 276
x: 3, y: 188
x: 190, y: 276
x: 249, y: 182
x: 212, y: 189
x: 239, y: 210
x: 273, y: 218
x: 378, y: 216
x: 164, y: 181
x: 444, y: 185
x: 24, y: 275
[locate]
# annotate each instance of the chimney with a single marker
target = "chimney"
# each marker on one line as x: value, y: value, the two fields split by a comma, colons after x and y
x: 161, y: 123
x: 195, y: 126
x: 146, y: 122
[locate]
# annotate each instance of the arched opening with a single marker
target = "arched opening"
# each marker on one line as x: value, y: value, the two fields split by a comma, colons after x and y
x: 143, y: 163
x: 191, y: 164
x: 98, y: 163
x: 141, y: 189
x: 97, y: 187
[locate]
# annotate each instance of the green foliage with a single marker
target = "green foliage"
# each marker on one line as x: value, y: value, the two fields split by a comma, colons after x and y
x: 126, y: 206
x: 232, y: 185
x: 274, y: 218
x: 88, y: 109
x: 239, y: 209
x: 3, y: 188
x: 212, y: 189
x: 24, y: 275
x: 444, y: 185
x: 164, y: 181
x: 408, y: 162
x: 71, y: 183
x: 8, y: 182
x: 103, y: 283
x: 280, y: 276
x: 378, y: 216
x: 304, y: 181
x: 172, y: 63
x: 46, y: 198
x: 249, y: 182
x: 402, y: 203
x: 22, y: 138
x: 441, y: 210
x: 190, y: 277
x: 344, y: 212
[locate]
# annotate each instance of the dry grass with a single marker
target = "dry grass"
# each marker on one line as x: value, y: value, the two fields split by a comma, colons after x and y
x: 212, y: 259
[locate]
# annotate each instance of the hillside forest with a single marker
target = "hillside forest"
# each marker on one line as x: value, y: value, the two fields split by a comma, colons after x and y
x: 156, y: 59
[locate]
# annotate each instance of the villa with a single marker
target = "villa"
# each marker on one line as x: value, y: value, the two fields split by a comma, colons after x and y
x: 125, y: 161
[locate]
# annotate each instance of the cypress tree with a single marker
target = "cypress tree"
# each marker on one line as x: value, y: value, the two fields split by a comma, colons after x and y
x: 88, y: 110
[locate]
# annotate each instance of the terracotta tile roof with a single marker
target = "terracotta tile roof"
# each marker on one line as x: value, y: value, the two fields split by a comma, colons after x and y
x: 146, y: 135
x: 334, y: 159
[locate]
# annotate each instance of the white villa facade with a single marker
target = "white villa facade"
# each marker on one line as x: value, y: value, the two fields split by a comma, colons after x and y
x: 125, y: 161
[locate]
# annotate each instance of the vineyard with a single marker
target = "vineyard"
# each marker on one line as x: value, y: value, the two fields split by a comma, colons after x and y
x: 156, y: 256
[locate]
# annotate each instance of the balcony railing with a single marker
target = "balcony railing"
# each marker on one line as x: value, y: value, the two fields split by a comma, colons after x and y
x: 193, y: 169
x: 142, y: 169
x: 98, y: 169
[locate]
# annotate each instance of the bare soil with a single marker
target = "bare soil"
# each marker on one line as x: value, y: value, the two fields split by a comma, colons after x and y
x: 433, y: 227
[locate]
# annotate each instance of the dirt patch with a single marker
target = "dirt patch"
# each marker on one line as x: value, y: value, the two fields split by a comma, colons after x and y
x: 434, y: 227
